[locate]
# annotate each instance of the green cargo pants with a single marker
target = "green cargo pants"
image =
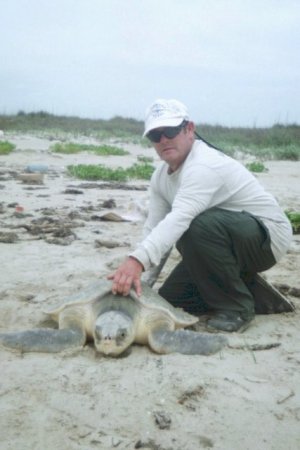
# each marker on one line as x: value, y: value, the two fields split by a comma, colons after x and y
x: 221, y: 251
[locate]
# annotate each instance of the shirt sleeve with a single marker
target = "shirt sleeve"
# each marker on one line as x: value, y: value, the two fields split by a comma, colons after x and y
x: 158, y: 209
x: 198, y: 187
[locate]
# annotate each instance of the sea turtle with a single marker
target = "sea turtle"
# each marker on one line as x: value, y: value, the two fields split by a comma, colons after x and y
x: 114, y: 322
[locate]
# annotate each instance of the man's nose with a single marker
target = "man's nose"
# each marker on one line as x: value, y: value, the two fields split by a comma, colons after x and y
x: 163, y: 138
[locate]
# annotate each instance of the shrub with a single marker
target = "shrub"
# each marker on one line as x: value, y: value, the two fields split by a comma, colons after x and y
x: 290, y: 152
x: 145, y: 159
x: 6, y: 147
x: 97, y: 172
x: 294, y: 218
x: 256, y: 166
x: 140, y: 171
x: 71, y: 147
x: 100, y: 172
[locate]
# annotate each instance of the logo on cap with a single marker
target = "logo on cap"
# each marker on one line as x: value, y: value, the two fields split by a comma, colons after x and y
x: 158, y: 109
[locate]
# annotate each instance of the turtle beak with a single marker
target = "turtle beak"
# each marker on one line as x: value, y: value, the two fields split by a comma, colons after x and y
x: 112, y: 333
x: 104, y: 342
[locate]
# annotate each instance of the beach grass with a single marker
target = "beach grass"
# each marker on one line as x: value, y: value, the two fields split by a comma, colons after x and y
x: 6, y: 147
x: 294, y: 218
x: 145, y: 159
x: 278, y: 142
x: 71, y: 148
x: 256, y: 167
x: 100, y: 172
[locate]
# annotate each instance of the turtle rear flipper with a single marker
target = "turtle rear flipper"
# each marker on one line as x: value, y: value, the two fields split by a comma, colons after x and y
x: 43, y: 340
x: 186, y: 342
x: 268, y: 300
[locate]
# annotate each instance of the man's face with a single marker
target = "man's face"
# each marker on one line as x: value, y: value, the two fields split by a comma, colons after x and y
x: 175, y: 150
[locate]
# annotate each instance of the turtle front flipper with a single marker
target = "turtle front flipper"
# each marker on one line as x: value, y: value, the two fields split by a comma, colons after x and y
x: 186, y: 342
x: 43, y: 340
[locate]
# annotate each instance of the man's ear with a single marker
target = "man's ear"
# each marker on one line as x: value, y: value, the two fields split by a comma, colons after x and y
x: 191, y: 127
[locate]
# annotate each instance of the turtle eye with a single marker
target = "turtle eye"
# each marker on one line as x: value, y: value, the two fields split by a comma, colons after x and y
x: 122, y: 334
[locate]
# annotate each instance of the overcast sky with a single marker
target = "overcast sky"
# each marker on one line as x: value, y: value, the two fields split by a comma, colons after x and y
x: 232, y: 62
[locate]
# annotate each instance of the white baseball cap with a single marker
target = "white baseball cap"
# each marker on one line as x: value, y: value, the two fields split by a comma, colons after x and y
x: 165, y: 113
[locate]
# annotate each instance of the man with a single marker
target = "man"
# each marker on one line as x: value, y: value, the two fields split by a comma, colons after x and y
x: 226, y: 227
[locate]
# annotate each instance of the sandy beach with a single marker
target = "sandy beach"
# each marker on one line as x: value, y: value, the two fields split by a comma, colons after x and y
x: 54, y: 242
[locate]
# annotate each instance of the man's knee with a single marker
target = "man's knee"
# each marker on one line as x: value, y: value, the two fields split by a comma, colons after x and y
x: 204, y: 227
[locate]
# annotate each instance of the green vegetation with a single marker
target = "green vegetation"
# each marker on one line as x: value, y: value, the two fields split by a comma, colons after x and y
x: 71, y: 147
x: 281, y: 142
x: 294, y: 218
x: 55, y: 126
x: 277, y: 142
x: 145, y: 159
x: 6, y: 147
x: 257, y: 167
x: 103, y: 173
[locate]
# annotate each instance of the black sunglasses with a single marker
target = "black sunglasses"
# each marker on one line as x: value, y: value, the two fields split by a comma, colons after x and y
x: 169, y: 132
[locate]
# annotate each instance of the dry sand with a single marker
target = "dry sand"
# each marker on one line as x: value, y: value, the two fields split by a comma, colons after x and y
x: 238, y: 399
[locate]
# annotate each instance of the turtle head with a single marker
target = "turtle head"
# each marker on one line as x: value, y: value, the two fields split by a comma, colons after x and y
x: 113, y: 333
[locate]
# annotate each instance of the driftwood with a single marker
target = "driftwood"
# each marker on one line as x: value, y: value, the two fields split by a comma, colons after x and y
x: 31, y: 178
x: 111, y: 185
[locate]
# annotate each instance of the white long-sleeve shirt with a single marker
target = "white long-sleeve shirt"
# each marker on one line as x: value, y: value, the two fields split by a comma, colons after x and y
x: 208, y: 178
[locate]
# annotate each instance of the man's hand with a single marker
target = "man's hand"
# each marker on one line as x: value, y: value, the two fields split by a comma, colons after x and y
x: 128, y: 274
